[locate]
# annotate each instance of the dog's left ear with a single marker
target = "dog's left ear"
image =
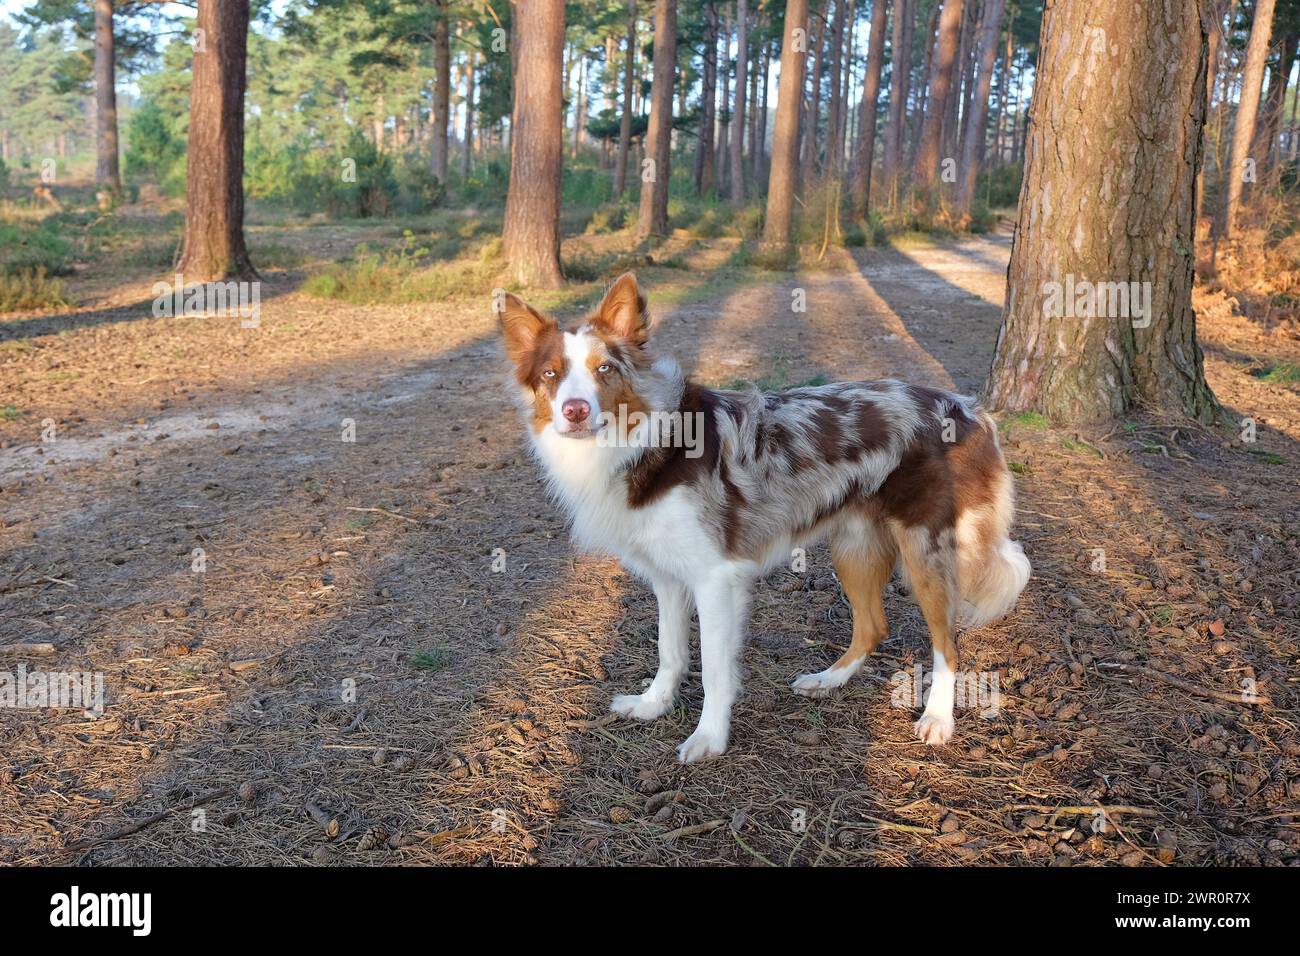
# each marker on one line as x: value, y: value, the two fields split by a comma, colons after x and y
x: 623, y: 312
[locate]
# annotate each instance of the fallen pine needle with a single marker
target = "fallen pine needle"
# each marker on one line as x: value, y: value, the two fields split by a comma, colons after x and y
x: 693, y: 830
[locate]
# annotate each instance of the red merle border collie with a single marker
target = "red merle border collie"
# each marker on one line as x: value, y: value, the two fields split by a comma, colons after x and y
x: 700, y: 491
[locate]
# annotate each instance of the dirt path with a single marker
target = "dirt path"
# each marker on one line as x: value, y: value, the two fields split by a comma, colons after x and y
x: 391, y: 653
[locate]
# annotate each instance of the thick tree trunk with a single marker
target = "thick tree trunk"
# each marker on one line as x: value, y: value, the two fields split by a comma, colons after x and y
x: 652, y: 218
x: 107, y: 175
x: 900, y: 69
x: 1098, y: 316
x: 866, y: 148
x: 625, y: 123
x: 214, y: 190
x: 941, y: 77
x: 1243, y: 128
x: 441, y: 91
x: 785, y: 140
x: 708, y: 103
x: 927, y: 75
x: 972, y: 153
x: 738, y: 112
x: 531, y: 237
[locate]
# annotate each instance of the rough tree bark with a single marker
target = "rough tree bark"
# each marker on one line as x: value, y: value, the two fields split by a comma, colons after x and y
x: 861, y: 192
x: 785, y: 135
x: 830, y: 168
x: 107, y: 175
x: 738, y: 113
x: 531, y: 238
x: 652, y: 217
x: 973, y: 148
x: 214, y: 192
x: 441, y: 90
x: 467, y: 157
x: 941, y: 75
x: 1243, y: 127
x: 1114, y: 145
x: 625, y: 123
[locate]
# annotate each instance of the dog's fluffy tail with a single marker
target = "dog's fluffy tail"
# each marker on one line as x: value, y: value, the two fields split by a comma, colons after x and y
x: 992, y: 569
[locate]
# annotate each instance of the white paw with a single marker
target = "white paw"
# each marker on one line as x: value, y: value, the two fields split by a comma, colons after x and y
x: 641, y: 706
x: 934, y: 731
x: 821, y: 683
x: 702, y: 745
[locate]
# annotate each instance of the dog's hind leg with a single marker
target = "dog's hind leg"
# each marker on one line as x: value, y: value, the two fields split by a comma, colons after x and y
x: 931, y: 564
x: 674, y: 635
x: 863, y: 566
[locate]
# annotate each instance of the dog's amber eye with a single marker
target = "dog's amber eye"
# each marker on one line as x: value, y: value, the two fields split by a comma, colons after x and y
x: 603, y: 369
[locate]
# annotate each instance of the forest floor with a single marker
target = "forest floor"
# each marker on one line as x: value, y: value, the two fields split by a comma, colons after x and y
x: 393, y: 654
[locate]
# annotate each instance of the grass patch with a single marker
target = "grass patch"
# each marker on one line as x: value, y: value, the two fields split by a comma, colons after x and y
x: 1267, y: 457
x: 1034, y: 420
x: 776, y: 379
x: 31, y: 289
x: 432, y: 660
x: 1018, y: 467
x: 11, y: 413
x: 1286, y: 373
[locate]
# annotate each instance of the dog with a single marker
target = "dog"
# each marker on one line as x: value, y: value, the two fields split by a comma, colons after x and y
x: 700, y: 491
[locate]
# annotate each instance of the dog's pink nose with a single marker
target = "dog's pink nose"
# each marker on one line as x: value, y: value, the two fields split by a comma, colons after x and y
x: 575, y: 410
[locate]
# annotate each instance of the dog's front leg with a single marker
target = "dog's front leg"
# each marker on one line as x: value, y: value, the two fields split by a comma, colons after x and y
x: 722, y: 600
x: 674, y: 630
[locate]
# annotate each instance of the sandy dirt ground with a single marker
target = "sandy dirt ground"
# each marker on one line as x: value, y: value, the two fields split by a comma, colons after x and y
x: 390, y: 654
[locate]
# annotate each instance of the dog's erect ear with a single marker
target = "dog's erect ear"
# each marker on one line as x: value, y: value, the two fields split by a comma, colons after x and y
x: 522, y: 326
x: 623, y: 311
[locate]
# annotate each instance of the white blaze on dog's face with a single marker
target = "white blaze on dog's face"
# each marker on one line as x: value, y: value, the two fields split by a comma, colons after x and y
x: 570, y: 379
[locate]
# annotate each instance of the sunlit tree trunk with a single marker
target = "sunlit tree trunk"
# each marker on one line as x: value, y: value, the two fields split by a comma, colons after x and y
x: 625, y: 123
x: 214, y: 191
x: 531, y: 238
x: 106, y: 166
x: 941, y: 77
x: 900, y: 75
x: 1117, y: 119
x: 441, y: 90
x: 785, y: 139
x: 866, y: 148
x: 738, y: 112
x: 972, y: 153
x: 467, y: 158
x: 708, y: 103
x: 1243, y: 128
x: 652, y: 218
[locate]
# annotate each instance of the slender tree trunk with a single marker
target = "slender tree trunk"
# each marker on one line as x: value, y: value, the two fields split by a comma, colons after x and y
x: 214, y: 190
x: 652, y: 219
x: 831, y: 168
x: 900, y: 69
x: 708, y: 103
x: 752, y: 109
x: 1004, y: 92
x: 467, y: 159
x: 867, y: 123
x: 106, y: 167
x: 1119, y: 118
x: 441, y: 90
x: 923, y: 91
x: 1270, y: 146
x: 927, y: 157
x: 973, y: 149
x: 738, y: 113
x: 785, y: 141
x: 1243, y: 128
x: 625, y: 123
x: 531, y: 237
x: 760, y: 141
x: 810, y: 158
x: 722, y: 158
